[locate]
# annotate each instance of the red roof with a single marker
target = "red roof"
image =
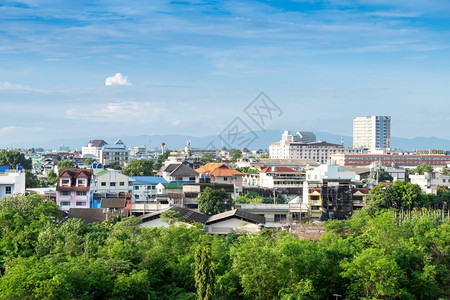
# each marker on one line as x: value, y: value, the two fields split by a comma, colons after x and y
x: 277, y: 170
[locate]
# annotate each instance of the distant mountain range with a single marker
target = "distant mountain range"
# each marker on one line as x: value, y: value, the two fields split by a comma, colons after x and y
x: 256, y: 140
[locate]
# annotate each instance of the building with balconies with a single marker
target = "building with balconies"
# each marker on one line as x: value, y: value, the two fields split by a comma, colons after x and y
x: 74, y: 188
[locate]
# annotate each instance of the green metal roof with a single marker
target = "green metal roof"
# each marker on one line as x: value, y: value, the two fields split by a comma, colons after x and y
x: 173, y: 185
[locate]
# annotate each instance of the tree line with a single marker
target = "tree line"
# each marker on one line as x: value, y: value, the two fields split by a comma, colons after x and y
x: 369, y: 256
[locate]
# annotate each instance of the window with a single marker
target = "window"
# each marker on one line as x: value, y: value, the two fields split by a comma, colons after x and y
x: 64, y: 181
x: 295, y: 216
x: 315, y: 207
x: 136, y: 187
x: 314, y: 197
x: 225, y: 178
x: 81, y: 203
x: 279, y: 217
x: 64, y: 203
x: 80, y: 181
x: 112, y: 184
x: 8, y: 190
x: 136, y: 197
x: 81, y: 193
x: 103, y: 183
x: 122, y: 183
x: 65, y: 193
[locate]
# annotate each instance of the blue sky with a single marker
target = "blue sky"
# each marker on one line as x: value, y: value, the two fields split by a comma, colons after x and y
x: 112, y: 68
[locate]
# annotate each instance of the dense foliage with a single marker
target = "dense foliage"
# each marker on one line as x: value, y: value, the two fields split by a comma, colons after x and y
x: 214, y: 201
x: 13, y: 159
x: 139, y: 168
x: 66, y: 164
x: 371, y: 255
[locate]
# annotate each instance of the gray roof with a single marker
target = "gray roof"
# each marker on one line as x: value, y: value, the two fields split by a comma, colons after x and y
x: 183, y: 170
x: 88, y: 215
x: 113, y: 203
x: 171, y: 167
x: 97, y: 143
x: 239, y: 214
x: 188, y: 214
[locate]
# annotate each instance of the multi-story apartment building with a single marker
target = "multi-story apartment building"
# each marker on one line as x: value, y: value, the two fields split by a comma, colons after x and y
x: 316, y: 151
x: 373, y: 132
x: 74, y: 188
x: 299, y: 136
x: 430, y: 182
x: 112, y: 181
x: 389, y: 160
x: 115, y: 153
x: 280, y: 177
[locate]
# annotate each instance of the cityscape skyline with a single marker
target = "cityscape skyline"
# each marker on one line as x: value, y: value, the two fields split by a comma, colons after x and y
x: 110, y: 69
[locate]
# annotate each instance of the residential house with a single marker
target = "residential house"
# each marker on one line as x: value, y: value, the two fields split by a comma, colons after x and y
x: 74, y: 188
x: 145, y: 191
x: 220, y: 173
x: 277, y: 215
x: 112, y: 181
x: 280, y: 177
x: 235, y: 220
x: 154, y: 219
x: 11, y: 182
x: 192, y: 190
x: 170, y: 193
x: 179, y: 172
x: 99, y: 197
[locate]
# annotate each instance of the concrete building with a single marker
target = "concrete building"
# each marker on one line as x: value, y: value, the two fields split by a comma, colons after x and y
x: 430, y: 182
x: 389, y: 160
x: 280, y: 177
x: 74, y: 188
x: 373, y: 132
x: 11, y: 182
x: 299, y: 136
x: 112, y: 181
x: 220, y: 173
x: 115, y: 153
x: 316, y: 151
x: 92, y: 149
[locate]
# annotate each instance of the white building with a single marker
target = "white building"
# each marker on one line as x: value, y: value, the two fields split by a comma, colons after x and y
x: 316, y: 151
x: 373, y: 132
x: 11, y: 182
x: 92, y: 149
x: 112, y: 181
x: 299, y: 136
x: 429, y: 182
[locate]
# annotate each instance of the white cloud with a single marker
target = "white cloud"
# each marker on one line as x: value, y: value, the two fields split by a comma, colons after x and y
x: 9, y: 86
x: 117, y: 112
x: 117, y: 79
x: 176, y: 123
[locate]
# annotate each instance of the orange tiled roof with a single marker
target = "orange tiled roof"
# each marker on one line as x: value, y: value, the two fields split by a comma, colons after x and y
x: 217, y: 169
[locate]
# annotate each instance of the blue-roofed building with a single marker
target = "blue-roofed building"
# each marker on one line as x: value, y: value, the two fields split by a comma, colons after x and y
x: 144, y: 191
x: 114, y: 153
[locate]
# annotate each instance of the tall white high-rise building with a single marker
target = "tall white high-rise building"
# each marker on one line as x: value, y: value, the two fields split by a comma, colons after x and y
x: 373, y: 132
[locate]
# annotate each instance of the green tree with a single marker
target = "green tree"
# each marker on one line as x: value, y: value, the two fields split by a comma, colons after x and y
x: 160, y: 161
x: 214, y: 201
x: 400, y: 194
x: 89, y: 161
x: 139, y: 168
x: 31, y: 181
x: 445, y: 171
x: 14, y: 159
x: 52, y: 177
x: 384, y: 176
x: 424, y: 167
x: 372, y: 275
x: 115, y: 165
x: 264, y: 155
x: 206, y: 158
x: 171, y: 217
x: 235, y: 155
x: 250, y: 198
x: 204, y: 273
x: 66, y: 164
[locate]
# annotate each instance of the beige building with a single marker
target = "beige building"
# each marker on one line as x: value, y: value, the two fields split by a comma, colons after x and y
x: 373, y: 132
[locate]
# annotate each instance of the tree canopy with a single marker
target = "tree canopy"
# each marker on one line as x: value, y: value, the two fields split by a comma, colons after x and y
x: 368, y: 256
x: 424, y: 167
x: 66, y: 164
x: 214, y: 201
x: 139, y: 168
x: 235, y: 155
x: 14, y: 159
x: 206, y: 158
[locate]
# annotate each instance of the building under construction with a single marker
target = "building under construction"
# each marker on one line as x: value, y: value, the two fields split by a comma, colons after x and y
x: 337, y: 200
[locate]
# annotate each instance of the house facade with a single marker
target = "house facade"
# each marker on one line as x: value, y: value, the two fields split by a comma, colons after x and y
x: 74, y: 188
x: 112, y: 181
x: 114, y: 153
x: 220, y: 173
x: 11, y: 182
x: 92, y: 149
